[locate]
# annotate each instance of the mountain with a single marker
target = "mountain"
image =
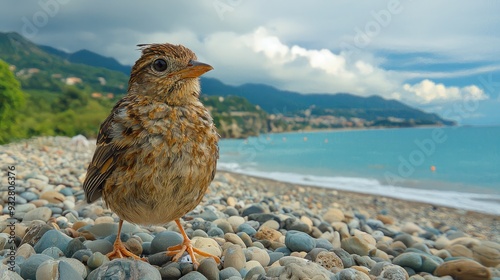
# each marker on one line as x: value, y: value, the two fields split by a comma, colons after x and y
x: 347, y: 109
x: 89, y: 58
x: 276, y: 101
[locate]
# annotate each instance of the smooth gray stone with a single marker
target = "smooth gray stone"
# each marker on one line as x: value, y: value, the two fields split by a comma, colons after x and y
x: 125, y: 269
x: 165, y: 239
x: 40, y: 213
x: 52, y: 238
x: 96, y: 260
x: 193, y: 275
x: 29, y: 267
x: 258, y: 270
x: 246, y: 228
x: 228, y: 272
x: 53, y: 252
x: 73, y: 246
x: 298, y: 241
x: 208, y: 267
x: 100, y: 245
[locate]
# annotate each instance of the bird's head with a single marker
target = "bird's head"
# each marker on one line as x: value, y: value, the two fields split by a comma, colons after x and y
x: 168, y: 73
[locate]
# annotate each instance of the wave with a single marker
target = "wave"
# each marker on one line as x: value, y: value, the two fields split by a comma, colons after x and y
x: 484, y: 203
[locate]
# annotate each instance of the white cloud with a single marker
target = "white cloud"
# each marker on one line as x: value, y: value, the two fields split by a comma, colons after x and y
x: 262, y: 57
x: 428, y: 91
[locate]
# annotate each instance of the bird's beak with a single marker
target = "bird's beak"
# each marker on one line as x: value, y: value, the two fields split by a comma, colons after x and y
x: 194, y: 70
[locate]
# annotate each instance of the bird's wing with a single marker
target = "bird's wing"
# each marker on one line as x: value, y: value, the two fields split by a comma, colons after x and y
x: 104, y: 161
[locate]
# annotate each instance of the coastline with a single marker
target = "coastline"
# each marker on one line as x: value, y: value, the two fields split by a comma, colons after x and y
x: 477, y: 224
x: 344, y: 129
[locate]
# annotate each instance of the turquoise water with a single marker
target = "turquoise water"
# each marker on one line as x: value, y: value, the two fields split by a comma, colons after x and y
x: 452, y: 166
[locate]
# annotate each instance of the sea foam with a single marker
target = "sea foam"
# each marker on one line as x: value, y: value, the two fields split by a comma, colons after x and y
x: 484, y: 203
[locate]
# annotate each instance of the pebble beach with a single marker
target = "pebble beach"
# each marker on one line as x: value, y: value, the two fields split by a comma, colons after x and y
x: 260, y: 229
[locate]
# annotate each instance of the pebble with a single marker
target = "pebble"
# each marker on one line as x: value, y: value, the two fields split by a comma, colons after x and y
x: 6, y: 274
x: 329, y: 260
x: 53, y: 252
x: 25, y: 207
x: 412, y: 228
x: 52, y: 196
x: 420, y: 262
x: 97, y: 259
x: 102, y: 246
x: 267, y: 233
x: 334, y: 215
x: 235, y: 239
x: 208, y: 267
x: 246, y: 238
x: 124, y: 269
x: 246, y: 228
x: 56, y: 269
x: 259, y: 255
x: 255, y: 271
x: 170, y: 271
x: 271, y: 224
x: 193, y: 275
x: 26, y: 251
x: 165, y: 239
x: 235, y: 221
x: 463, y: 269
x: 356, y: 245
x: 229, y: 272
x: 394, y: 272
x: 41, y: 213
x: 29, y: 267
x: 353, y: 274
x: 77, y: 265
x: 298, y: 241
x: 52, y: 238
x: 234, y: 257
x: 298, y: 268
x: 207, y: 245
x: 253, y: 209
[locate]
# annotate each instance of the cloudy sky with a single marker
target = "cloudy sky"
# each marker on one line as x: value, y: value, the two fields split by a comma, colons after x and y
x: 441, y: 56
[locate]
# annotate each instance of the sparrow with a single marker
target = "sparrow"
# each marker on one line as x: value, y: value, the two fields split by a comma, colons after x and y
x: 157, y: 151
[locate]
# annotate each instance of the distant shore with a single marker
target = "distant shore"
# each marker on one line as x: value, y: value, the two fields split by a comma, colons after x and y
x: 344, y: 129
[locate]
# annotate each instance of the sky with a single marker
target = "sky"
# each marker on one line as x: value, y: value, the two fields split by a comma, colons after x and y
x: 440, y: 56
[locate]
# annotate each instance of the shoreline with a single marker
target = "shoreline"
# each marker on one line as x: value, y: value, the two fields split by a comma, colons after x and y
x: 344, y: 129
x: 481, y: 202
x: 477, y: 224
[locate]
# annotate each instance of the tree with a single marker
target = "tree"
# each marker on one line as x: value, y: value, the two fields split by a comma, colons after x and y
x: 70, y: 98
x: 11, y: 100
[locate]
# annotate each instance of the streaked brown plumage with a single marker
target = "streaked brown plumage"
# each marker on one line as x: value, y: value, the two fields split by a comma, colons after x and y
x: 157, y: 151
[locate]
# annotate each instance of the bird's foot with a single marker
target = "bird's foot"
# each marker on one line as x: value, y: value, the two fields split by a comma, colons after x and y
x: 178, y: 250
x: 119, y: 252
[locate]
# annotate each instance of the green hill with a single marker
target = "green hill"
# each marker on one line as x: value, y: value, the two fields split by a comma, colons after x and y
x: 39, y: 70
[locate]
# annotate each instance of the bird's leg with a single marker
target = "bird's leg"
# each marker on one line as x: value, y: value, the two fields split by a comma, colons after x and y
x: 178, y: 250
x: 119, y: 250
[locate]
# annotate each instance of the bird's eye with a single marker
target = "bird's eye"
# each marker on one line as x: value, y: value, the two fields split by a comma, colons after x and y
x: 160, y: 65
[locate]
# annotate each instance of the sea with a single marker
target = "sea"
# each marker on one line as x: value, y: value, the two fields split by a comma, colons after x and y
x: 456, y: 166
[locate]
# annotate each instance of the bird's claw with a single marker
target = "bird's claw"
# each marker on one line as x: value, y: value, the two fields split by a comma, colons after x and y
x: 119, y: 252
